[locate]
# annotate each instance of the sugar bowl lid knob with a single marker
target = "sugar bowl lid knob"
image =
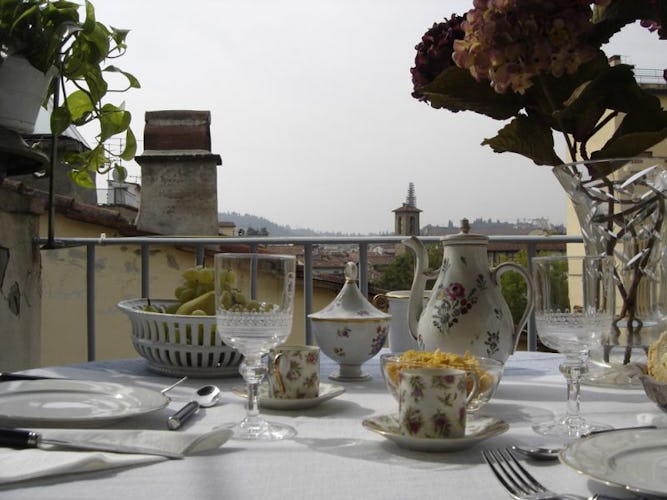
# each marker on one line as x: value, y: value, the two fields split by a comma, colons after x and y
x: 351, y: 271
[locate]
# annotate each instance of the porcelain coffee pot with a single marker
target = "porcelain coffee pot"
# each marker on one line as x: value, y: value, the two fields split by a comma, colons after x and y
x: 466, y: 311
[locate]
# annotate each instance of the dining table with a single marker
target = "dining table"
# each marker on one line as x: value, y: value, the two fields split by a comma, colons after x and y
x: 332, y: 456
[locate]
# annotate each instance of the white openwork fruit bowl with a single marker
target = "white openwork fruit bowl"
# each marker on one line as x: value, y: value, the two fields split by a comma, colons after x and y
x: 175, y: 344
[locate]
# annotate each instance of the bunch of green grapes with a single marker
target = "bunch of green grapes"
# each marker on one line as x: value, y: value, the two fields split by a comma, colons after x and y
x: 196, y: 281
x: 231, y: 298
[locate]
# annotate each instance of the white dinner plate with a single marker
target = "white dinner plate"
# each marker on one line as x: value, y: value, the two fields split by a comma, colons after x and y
x: 326, y: 392
x: 635, y: 460
x: 477, y: 430
x: 73, y: 402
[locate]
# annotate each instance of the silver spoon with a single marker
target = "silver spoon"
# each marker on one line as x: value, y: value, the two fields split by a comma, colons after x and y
x: 538, y: 452
x: 205, y: 397
x: 208, y: 396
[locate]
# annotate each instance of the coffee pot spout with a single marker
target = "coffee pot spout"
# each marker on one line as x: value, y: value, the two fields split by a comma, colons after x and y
x: 416, y: 302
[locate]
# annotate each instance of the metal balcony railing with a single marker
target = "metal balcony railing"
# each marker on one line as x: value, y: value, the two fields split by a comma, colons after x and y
x: 650, y: 76
x: 200, y: 244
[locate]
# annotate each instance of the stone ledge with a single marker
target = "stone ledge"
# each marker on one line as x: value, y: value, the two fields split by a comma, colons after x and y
x: 17, y: 197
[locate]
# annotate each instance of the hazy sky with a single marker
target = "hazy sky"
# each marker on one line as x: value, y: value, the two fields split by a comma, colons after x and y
x: 312, y: 114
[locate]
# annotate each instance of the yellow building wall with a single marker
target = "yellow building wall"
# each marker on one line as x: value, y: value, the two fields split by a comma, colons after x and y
x: 117, y: 277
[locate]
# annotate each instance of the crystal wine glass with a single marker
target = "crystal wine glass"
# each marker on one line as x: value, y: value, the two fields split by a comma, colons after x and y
x: 254, y: 309
x: 574, y: 310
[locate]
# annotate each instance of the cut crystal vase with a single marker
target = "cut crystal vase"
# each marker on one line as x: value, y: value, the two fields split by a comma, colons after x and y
x: 620, y: 205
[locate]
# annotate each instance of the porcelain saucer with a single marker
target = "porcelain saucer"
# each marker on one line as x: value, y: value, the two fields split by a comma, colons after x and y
x: 326, y: 392
x: 477, y: 430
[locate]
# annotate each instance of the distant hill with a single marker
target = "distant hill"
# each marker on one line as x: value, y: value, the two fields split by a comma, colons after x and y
x: 247, y: 221
x: 254, y: 224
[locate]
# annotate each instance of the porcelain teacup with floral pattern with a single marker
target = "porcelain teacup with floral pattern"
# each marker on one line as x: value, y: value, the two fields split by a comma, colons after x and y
x: 432, y: 402
x: 294, y: 372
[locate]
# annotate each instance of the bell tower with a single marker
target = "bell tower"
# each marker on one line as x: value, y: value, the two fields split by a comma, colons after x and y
x: 406, y: 218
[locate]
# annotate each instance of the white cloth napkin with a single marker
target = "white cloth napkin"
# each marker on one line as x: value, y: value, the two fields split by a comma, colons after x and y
x: 19, y: 465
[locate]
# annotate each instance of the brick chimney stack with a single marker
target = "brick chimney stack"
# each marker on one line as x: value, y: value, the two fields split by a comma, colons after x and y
x: 178, y: 175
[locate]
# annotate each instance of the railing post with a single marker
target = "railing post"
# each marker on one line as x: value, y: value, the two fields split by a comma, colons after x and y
x: 145, y: 271
x: 199, y: 255
x: 308, y: 290
x: 363, y: 269
x: 532, y: 330
x: 90, y: 300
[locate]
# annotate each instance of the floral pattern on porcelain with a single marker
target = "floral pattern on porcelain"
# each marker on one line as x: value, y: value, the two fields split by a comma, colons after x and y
x: 466, y: 310
x: 413, y: 421
x: 452, y: 302
x: 344, y: 332
x: 299, y: 378
x: 377, y: 341
x: 432, y: 406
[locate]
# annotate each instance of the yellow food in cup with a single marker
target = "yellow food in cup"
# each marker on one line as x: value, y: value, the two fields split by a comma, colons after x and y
x: 439, y: 359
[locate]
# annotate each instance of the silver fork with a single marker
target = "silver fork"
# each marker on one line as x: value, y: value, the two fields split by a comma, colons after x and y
x: 519, y: 483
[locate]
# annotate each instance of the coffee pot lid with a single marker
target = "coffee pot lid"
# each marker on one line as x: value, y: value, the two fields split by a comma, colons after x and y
x: 465, y: 237
x: 350, y: 303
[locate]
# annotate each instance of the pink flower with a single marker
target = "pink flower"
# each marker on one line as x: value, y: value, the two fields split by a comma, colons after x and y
x: 455, y: 291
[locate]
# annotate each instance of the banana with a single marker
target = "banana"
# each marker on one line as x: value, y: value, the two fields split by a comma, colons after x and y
x: 205, y: 302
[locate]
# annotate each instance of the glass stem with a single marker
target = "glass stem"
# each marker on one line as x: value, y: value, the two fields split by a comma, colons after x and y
x: 253, y: 372
x: 573, y: 368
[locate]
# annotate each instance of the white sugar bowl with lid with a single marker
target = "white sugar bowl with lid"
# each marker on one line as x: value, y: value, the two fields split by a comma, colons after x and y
x: 350, y: 330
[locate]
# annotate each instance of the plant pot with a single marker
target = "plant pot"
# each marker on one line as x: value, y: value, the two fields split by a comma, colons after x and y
x: 623, y: 214
x: 22, y: 90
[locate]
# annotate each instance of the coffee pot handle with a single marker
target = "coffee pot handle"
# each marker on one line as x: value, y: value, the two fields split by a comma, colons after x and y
x: 496, y: 273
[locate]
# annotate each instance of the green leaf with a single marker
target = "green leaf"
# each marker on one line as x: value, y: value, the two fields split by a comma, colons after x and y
x: 133, y: 82
x: 113, y: 120
x: 97, y: 86
x: 614, y: 89
x: 456, y: 90
x: 60, y: 120
x: 130, y: 146
x: 80, y: 107
x: 637, y: 134
x: 98, y: 43
x: 119, y: 36
x: 642, y: 127
x: 629, y: 145
x: 82, y: 178
x: 527, y: 137
x: 89, y: 23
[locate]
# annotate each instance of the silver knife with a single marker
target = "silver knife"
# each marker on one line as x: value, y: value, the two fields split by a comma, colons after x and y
x: 19, y: 438
x: 177, y: 419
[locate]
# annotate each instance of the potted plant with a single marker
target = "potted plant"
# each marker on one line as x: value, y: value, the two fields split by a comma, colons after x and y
x: 53, y: 37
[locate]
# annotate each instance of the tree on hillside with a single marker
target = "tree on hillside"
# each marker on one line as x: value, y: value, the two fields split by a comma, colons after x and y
x: 399, y: 273
x: 254, y: 232
x: 513, y: 286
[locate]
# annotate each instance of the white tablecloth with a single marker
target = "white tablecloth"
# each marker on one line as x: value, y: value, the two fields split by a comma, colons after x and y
x: 333, y: 456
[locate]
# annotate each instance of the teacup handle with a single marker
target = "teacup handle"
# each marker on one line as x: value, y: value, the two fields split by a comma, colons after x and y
x: 475, y: 386
x: 275, y: 371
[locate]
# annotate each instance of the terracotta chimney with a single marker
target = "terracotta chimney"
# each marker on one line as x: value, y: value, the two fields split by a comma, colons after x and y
x: 178, y: 175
